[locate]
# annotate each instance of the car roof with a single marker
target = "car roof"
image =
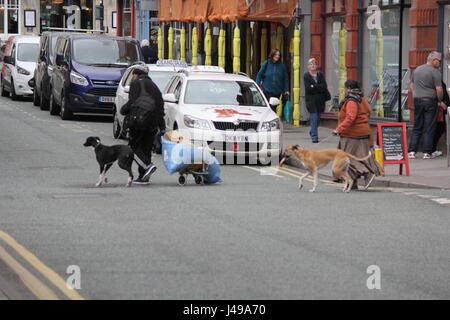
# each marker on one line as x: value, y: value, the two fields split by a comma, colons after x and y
x: 27, y: 39
x: 216, y: 76
x: 78, y: 35
x: 154, y: 67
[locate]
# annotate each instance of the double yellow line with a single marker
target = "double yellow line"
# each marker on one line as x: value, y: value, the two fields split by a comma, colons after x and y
x: 36, y: 286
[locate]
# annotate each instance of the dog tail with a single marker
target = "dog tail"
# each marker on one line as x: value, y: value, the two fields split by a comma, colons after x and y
x: 360, y: 159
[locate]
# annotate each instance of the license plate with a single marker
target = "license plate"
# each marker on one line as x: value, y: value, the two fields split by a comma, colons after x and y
x: 106, y: 99
x: 236, y: 138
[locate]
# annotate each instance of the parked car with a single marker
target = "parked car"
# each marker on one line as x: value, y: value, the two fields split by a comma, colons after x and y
x: 18, y: 66
x: 160, y: 73
x: 87, y: 71
x: 225, y: 113
x: 44, y: 69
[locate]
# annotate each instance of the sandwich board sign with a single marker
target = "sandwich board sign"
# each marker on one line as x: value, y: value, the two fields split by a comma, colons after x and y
x: 392, y: 141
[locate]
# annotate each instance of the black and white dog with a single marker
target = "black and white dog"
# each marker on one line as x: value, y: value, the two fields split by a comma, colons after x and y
x: 107, y: 155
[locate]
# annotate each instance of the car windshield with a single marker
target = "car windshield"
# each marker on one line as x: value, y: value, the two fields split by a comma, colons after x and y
x: 108, y: 52
x: 160, y: 78
x: 220, y: 92
x: 28, y: 52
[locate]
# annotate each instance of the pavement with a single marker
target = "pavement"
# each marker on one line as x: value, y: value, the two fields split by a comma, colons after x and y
x: 424, y: 174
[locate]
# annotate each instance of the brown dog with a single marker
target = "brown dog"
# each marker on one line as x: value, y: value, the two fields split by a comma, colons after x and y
x: 313, y: 160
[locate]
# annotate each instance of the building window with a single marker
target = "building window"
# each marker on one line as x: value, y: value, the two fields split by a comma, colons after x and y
x: 9, y: 16
x: 380, y: 57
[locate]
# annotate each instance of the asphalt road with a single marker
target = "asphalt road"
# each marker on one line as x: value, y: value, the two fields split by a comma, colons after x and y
x: 253, y: 236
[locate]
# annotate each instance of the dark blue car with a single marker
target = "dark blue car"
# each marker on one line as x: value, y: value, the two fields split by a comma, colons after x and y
x: 87, y: 71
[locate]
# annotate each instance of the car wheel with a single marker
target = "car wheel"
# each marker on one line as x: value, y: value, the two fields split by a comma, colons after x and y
x: 4, y: 93
x: 117, y: 129
x: 36, y: 98
x: 44, y: 103
x: 66, y: 113
x: 53, y: 107
x: 12, y: 93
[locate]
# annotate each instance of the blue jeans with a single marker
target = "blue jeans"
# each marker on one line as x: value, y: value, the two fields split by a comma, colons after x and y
x: 315, y: 119
x: 425, y: 120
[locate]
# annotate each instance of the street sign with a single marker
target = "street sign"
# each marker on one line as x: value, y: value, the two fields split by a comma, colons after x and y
x: 392, y: 141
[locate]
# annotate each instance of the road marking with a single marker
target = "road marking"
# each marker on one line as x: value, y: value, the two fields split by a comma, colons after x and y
x: 442, y: 200
x: 51, y: 275
x: 263, y: 172
x: 427, y: 196
x: 36, y: 286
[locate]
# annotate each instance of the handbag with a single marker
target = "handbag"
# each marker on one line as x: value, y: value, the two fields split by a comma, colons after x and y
x: 287, y: 111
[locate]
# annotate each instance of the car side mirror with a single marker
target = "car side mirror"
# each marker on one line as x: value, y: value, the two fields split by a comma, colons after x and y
x: 274, y: 101
x: 170, y: 97
x: 126, y: 89
x: 8, y: 60
x: 59, y: 59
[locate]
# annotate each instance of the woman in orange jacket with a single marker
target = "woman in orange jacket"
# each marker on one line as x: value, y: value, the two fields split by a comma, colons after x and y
x: 355, y: 134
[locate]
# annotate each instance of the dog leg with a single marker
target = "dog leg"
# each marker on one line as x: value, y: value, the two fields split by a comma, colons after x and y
x: 105, y: 179
x: 300, y: 180
x: 316, y: 181
x: 102, y: 176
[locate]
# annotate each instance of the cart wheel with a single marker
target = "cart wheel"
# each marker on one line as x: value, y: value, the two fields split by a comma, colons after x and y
x: 182, y: 180
x: 198, y: 179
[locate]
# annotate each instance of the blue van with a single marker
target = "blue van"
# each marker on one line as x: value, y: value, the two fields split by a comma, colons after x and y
x: 87, y: 72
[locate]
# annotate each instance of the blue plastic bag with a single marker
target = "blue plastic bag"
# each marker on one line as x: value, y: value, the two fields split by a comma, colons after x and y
x: 287, y: 111
x: 177, y: 156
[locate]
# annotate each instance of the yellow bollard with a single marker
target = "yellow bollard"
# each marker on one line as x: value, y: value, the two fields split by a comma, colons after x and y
x: 296, y: 87
x: 208, y: 47
x: 170, y: 40
x: 248, y: 52
x: 221, y: 45
x: 183, y: 44
x: 237, y: 50
x: 194, y: 45
x: 342, y: 63
x: 160, y: 44
x: 379, y: 157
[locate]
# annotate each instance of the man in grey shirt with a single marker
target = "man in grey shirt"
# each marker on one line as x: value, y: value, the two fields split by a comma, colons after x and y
x: 427, y: 90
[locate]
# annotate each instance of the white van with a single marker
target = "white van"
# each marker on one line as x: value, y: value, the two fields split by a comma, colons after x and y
x: 19, y: 66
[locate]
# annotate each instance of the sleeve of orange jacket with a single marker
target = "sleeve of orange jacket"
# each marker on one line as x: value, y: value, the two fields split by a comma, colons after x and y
x: 350, y: 116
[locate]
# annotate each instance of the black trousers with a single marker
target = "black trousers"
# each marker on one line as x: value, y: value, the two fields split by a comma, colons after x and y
x: 425, y: 119
x: 441, y: 128
x: 141, y: 142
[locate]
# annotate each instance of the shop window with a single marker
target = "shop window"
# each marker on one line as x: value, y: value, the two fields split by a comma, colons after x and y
x: 332, y: 71
x: 127, y: 11
x: 446, y: 60
x: 75, y: 14
x: 380, y: 59
x: 9, y: 16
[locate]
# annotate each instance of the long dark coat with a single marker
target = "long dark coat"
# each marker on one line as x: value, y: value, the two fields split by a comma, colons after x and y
x: 315, y: 92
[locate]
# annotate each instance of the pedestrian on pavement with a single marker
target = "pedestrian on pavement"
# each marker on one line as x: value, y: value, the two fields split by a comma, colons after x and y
x: 141, y: 140
x: 273, y: 77
x: 149, y: 52
x: 355, y: 134
x: 441, y: 125
x: 426, y: 86
x: 316, y: 94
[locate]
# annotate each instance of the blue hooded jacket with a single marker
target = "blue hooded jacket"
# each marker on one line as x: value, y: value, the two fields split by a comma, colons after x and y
x: 275, y: 77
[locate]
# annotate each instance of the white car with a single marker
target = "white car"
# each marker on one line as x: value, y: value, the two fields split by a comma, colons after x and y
x: 227, y: 114
x: 19, y: 66
x: 160, y: 73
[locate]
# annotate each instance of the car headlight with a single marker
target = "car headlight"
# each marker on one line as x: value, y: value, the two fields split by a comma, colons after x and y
x: 271, y: 125
x: 193, y: 122
x: 78, y: 79
x: 23, y: 71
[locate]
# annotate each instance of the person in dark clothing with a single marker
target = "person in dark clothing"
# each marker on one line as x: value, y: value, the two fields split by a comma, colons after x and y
x: 141, y: 141
x: 150, y: 52
x: 316, y: 94
x: 441, y: 126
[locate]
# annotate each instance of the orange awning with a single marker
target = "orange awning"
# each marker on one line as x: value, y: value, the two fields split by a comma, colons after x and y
x: 226, y: 10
